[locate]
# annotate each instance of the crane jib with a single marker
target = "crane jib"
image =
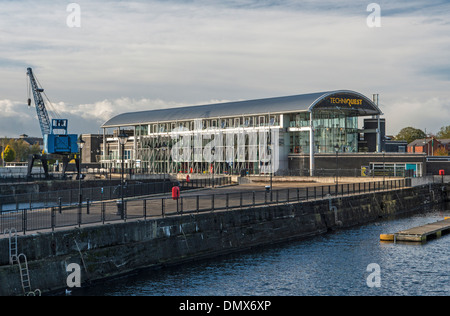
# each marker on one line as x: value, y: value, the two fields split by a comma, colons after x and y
x: 56, y: 138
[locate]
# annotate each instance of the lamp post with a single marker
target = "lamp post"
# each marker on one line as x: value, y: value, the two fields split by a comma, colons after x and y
x: 213, y: 151
x: 269, y: 151
x: 123, y: 137
x: 384, y: 168
x: 336, y: 148
x: 80, y: 144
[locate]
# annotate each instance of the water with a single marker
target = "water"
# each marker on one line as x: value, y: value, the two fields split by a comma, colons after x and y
x: 332, y: 264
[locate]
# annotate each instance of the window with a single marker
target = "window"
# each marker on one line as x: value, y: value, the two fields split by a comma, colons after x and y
x: 274, y: 120
x: 262, y: 121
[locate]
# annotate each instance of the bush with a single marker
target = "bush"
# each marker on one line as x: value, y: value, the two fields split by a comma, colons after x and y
x: 8, y: 155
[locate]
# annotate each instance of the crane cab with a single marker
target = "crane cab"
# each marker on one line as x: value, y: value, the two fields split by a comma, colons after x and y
x: 58, y: 141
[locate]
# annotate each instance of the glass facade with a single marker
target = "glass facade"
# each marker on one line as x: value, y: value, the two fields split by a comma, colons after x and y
x: 225, y: 145
x: 333, y: 130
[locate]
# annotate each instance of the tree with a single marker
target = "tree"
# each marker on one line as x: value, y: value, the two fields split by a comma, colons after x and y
x: 444, y: 132
x: 20, y: 147
x: 410, y: 134
x: 8, y: 155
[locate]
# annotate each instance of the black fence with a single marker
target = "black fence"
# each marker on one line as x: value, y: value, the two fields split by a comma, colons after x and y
x: 38, y: 218
x: 74, y: 196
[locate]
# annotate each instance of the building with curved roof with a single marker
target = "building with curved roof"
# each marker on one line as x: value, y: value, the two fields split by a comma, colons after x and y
x: 258, y: 136
x: 340, y: 100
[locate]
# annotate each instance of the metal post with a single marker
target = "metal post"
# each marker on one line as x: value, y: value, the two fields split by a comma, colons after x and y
x: 53, y: 218
x: 79, y: 215
x: 181, y: 205
x: 103, y: 212
x: 24, y: 220
x: 162, y: 208
x: 311, y: 146
x: 121, y: 177
x: 337, y: 167
x: 145, y: 209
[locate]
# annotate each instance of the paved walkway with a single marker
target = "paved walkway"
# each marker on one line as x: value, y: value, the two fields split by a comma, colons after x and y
x: 193, y: 201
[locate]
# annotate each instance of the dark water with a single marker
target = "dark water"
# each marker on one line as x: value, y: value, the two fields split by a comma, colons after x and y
x: 332, y: 264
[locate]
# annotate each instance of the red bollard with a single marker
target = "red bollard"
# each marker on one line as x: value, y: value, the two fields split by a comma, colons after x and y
x: 175, y: 193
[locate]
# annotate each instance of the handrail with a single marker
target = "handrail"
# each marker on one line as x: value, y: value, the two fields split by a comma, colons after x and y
x: 61, y: 215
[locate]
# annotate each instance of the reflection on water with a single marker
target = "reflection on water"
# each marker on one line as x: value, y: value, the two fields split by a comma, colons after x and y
x: 332, y: 264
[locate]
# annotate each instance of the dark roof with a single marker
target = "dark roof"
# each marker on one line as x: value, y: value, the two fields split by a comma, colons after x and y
x: 32, y: 140
x: 296, y: 103
x: 421, y: 142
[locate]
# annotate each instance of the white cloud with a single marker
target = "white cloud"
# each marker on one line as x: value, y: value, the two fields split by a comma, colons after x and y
x: 137, y: 55
x: 426, y: 114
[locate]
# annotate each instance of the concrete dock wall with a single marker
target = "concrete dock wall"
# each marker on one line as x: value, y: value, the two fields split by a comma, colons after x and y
x: 113, y: 249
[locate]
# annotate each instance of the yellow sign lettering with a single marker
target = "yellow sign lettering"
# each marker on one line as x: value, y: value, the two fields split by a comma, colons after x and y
x: 349, y: 102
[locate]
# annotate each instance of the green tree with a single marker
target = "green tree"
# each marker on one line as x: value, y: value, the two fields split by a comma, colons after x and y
x: 20, y: 148
x: 32, y: 150
x: 410, y: 134
x: 8, y: 155
x: 444, y: 132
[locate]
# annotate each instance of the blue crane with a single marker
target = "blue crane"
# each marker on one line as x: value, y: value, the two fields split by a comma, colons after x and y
x: 57, y: 141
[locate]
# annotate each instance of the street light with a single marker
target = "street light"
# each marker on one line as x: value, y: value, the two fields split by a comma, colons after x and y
x: 80, y: 144
x: 269, y: 151
x: 123, y: 138
x: 384, y: 168
x: 336, y: 148
x: 213, y: 151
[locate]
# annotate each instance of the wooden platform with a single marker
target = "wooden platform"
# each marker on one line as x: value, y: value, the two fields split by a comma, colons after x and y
x: 421, y: 233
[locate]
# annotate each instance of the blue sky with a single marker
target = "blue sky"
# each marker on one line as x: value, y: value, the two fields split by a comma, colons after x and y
x: 139, y: 55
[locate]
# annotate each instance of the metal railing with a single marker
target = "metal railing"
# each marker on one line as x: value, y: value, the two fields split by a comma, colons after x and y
x: 60, y: 215
x: 72, y: 196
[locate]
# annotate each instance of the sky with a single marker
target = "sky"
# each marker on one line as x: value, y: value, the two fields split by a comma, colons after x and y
x: 104, y: 58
